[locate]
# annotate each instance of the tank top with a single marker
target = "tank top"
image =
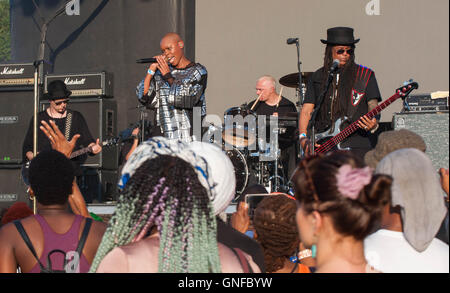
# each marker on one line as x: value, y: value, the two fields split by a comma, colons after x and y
x: 67, y: 242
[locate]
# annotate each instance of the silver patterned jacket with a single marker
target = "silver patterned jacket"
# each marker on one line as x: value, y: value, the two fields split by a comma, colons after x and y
x: 175, y: 102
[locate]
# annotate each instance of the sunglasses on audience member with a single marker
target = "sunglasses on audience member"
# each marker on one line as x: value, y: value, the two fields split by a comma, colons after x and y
x: 341, y: 51
x: 59, y: 103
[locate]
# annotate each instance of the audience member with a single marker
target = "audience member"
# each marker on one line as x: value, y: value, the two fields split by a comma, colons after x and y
x: 411, y: 218
x: 53, y: 228
x: 240, y: 220
x: 17, y: 211
x: 59, y: 142
x: 170, y: 193
x: 391, y: 141
x: 339, y: 204
x: 276, y: 231
x: 223, y: 173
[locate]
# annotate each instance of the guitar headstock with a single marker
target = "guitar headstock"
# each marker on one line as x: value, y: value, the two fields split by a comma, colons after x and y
x: 407, y: 88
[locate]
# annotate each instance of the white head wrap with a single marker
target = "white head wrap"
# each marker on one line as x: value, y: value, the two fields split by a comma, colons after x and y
x: 214, y: 169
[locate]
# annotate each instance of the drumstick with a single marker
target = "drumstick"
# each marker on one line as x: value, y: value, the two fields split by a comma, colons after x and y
x: 279, y: 97
x: 254, y: 104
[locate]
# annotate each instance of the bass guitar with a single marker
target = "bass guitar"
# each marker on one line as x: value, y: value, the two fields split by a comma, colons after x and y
x: 80, y: 152
x: 331, y: 139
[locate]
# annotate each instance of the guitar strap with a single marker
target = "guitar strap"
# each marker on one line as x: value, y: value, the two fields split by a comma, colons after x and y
x: 68, y: 124
x: 359, y: 88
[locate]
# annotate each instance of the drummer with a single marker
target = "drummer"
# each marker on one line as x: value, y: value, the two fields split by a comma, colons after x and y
x: 272, y: 103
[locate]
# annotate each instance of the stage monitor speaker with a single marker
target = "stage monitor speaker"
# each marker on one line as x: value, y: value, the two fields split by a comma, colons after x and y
x: 12, y: 188
x: 16, y: 110
x: 433, y: 128
x: 101, y: 118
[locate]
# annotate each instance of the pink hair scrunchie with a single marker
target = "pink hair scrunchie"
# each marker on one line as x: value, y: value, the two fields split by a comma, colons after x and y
x: 351, y: 181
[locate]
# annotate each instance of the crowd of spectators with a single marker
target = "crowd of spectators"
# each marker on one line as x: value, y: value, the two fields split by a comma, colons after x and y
x: 386, y: 214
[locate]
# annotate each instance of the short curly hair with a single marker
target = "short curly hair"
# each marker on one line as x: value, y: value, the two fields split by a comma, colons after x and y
x: 51, y: 177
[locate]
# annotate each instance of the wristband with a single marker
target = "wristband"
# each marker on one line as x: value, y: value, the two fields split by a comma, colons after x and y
x: 302, y: 135
x: 151, y: 72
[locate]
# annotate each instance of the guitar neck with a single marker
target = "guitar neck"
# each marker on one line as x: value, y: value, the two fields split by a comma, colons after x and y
x: 354, y: 126
x: 81, y: 152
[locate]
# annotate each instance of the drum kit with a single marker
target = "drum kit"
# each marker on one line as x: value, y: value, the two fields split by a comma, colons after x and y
x: 255, y: 160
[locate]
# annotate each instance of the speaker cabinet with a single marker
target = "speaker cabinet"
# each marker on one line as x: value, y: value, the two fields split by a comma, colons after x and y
x: 12, y: 188
x: 16, y: 110
x: 101, y: 118
x: 98, y: 185
x: 433, y: 128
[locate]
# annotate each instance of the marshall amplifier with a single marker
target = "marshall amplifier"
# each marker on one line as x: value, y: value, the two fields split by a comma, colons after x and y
x: 98, y: 84
x: 15, y: 75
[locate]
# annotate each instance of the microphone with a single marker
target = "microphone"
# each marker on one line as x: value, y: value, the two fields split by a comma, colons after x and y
x: 291, y: 41
x: 147, y: 60
x: 335, y: 65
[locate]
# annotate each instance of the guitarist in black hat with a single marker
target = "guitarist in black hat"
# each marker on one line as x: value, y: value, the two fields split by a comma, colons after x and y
x: 71, y: 123
x: 352, y: 93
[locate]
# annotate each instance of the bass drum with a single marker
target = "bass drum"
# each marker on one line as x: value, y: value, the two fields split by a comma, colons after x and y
x: 240, y: 169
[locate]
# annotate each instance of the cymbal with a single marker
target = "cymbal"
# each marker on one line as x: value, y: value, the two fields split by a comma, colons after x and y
x: 291, y: 80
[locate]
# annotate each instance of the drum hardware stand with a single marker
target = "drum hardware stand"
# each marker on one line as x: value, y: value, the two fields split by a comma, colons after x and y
x: 142, y: 116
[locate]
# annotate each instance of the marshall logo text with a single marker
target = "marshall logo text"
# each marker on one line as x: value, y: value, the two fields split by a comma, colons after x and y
x: 13, y: 71
x: 75, y: 81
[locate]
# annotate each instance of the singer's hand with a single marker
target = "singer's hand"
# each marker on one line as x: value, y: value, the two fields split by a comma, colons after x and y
x: 154, y: 66
x: 162, y: 64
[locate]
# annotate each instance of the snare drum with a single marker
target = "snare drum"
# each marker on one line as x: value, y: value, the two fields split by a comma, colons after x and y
x: 240, y: 127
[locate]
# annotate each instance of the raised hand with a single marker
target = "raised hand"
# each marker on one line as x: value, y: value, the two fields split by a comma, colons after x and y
x: 57, y: 140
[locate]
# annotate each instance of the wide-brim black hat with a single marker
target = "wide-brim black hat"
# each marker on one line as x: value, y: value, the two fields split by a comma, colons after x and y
x: 340, y: 36
x: 57, y: 90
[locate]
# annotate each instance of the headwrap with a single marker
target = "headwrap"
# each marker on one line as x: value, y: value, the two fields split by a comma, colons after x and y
x: 214, y: 169
x: 417, y: 190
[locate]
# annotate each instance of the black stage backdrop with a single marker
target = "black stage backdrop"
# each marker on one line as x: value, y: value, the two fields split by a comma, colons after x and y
x: 107, y: 35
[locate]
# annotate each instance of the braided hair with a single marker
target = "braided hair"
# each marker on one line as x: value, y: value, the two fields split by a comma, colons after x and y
x: 165, y: 192
x: 275, y: 225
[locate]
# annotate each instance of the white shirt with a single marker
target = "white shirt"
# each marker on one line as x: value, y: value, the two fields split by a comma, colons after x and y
x: 390, y: 252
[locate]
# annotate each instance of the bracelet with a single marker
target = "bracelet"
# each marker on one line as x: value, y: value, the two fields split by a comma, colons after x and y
x: 134, y: 136
x: 151, y: 72
x: 302, y: 135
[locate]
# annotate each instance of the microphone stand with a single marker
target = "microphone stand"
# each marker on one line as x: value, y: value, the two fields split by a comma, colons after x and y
x: 299, y: 89
x: 300, y: 82
x: 312, y: 121
x: 39, y: 80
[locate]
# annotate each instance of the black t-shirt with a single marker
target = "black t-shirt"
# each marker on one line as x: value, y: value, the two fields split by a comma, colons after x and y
x: 285, y: 106
x: 79, y: 126
x: 359, y: 139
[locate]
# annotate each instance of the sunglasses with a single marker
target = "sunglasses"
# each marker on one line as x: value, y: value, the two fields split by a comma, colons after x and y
x: 59, y: 103
x: 341, y: 51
